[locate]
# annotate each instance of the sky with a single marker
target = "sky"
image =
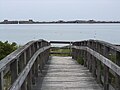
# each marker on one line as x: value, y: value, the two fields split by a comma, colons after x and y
x: 48, y: 10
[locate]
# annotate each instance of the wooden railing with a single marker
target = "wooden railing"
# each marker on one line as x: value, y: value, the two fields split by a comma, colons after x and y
x: 20, y: 68
x: 61, y: 50
x: 102, y: 59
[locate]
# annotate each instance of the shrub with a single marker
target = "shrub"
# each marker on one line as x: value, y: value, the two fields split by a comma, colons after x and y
x: 7, y: 48
x: 80, y: 60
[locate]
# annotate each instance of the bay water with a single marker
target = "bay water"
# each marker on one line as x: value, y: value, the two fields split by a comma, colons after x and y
x: 22, y: 33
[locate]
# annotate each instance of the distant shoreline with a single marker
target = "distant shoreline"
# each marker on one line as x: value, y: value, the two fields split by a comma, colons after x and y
x: 59, y: 22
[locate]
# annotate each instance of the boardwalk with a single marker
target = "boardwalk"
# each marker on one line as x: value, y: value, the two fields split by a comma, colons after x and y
x: 64, y: 73
x: 23, y: 66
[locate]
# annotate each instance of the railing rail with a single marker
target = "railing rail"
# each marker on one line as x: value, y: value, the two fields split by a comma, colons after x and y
x: 61, y: 50
x: 102, y: 59
x: 23, y: 65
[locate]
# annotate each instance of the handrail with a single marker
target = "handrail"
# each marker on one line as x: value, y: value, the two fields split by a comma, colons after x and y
x: 20, y: 62
x: 8, y: 59
x: 17, y: 84
x: 102, y: 59
x: 112, y: 46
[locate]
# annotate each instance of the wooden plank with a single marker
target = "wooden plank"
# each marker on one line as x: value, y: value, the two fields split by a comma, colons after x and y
x: 61, y: 42
x: 64, y: 73
x: 58, y: 53
x: 100, y: 57
x: 60, y: 47
x: 20, y: 80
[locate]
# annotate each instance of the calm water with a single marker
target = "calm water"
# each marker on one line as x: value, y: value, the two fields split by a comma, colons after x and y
x: 24, y: 33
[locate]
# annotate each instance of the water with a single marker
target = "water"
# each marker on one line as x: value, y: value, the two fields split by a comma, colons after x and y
x: 73, y: 32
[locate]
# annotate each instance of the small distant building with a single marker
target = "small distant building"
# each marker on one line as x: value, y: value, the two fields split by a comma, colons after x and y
x: 5, y: 21
x: 91, y: 21
x: 31, y: 21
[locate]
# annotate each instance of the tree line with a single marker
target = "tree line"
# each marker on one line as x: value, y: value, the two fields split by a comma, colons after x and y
x: 54, y: 22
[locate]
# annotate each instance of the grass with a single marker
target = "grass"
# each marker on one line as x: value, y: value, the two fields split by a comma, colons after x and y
x: 63, y: 51
x: 80, y: 60
x: 112, y: 57
x: 7, y: 80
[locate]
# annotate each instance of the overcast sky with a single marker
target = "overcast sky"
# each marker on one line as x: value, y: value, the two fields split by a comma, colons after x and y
x: 47, y: 10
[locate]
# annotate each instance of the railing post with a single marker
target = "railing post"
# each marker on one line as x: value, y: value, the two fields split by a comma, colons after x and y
x: 117, y: 77
x: 87, y: 63
x: 33, y: 74
x: 98, y: 49
x: 106, y: 76
x: 1, y: 81
x: 36, y: 67
x: 73, y: 52
x: 90, y: 62
x: 98, y: 71
x: 89, y: 58
x: 29, y: 77
x: 94, y: 66
x: 29, y: 80
x: 40, y: 63
x: 85, y: 58
x: 106, y: 69
x: 14, y: 70
x: 24, y: 85
x: 21, y: 63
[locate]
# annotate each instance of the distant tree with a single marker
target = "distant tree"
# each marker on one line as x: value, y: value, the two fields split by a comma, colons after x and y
x: 7, y: 48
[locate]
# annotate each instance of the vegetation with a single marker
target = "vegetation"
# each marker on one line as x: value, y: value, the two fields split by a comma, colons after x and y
x: 112, y: 79
x: 80, y: 60
x: 63, y: 51
x: 112, y: 57
x: 6, y: 48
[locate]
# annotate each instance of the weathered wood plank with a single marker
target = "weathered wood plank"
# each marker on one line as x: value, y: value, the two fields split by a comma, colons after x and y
x: 64, y: 73
x: 61, y: 42
x: 59, y: 53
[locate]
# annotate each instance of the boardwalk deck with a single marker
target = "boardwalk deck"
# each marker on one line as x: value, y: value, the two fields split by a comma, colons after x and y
x: 64, y: 73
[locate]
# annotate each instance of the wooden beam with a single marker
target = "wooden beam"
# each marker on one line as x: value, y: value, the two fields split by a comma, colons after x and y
x: 61, y: 42
x: 58, y: 53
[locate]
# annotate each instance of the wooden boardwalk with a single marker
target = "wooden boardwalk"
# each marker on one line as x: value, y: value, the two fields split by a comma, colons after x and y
x: 64, y: 73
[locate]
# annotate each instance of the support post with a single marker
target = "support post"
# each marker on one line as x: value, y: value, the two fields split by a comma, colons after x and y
x: 36, y: 67
x: 94, y: 66
x: 106, y: 76
x: 106, y: 69
x: 1, y: 81
x: 24, y: 85
x: 98, y: 71
x: 117, y: 77
x: 14, y: 71
x: 29, y: 80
